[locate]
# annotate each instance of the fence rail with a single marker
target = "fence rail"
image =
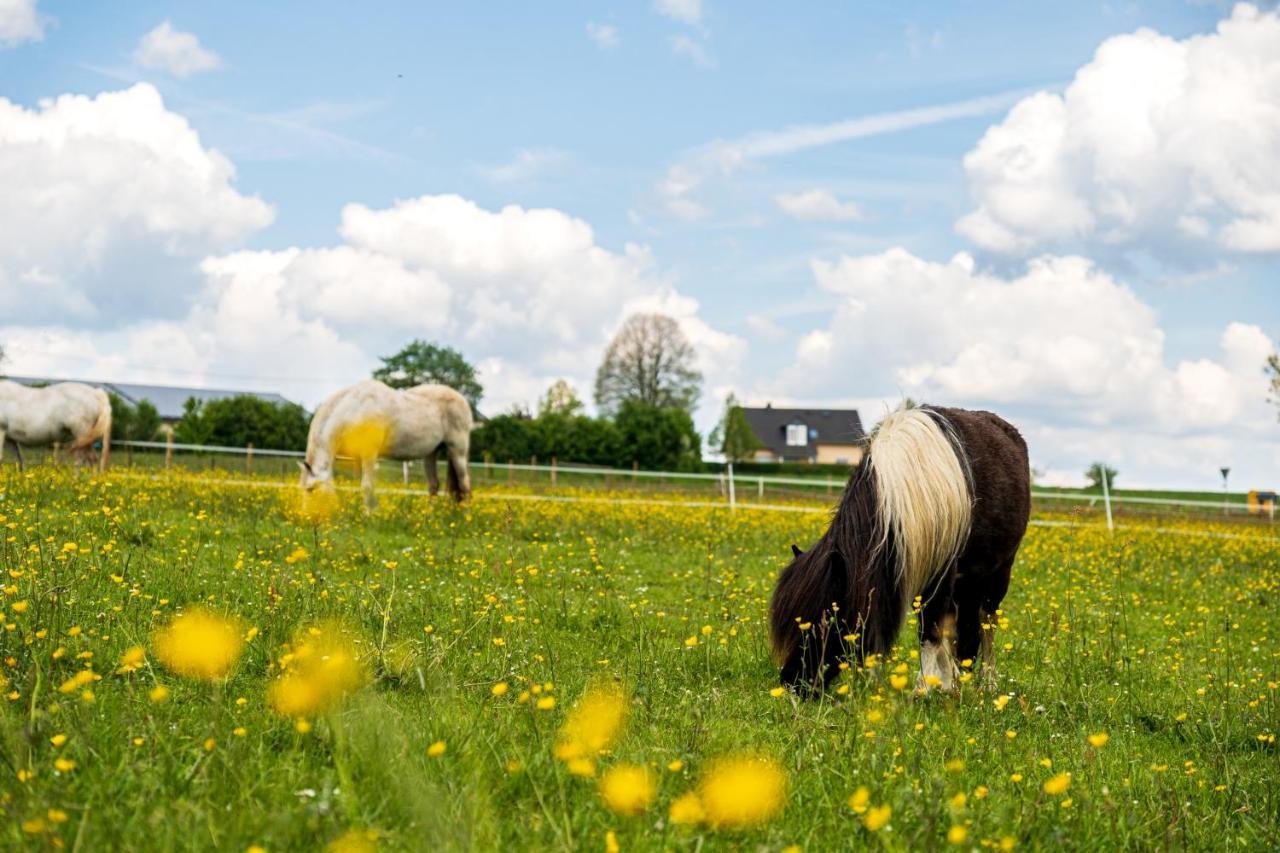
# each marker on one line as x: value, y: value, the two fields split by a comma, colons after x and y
x: 731, y: 487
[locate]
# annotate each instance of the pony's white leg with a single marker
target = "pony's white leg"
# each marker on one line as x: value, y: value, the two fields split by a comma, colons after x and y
x: 430, y: 465
x: 2, y: 443
x: 937, y: 666
x: 459, y: 476
x: 368, y: 467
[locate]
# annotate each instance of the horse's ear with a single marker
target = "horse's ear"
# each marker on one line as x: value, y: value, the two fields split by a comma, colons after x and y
x: 306, y: 466
x: 795, y: 550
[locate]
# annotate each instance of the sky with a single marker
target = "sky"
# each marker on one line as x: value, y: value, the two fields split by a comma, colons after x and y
x: 1065, y: 213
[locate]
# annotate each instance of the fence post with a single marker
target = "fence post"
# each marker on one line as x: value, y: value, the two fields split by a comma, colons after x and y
x: 553, y: 470
x: 488, y: 465
x: 828, y: 485
x: 248, y: 458
x: 1106, y: 498
x: 168, y: 450
x: 404, y: 471
x: 760, y: 488
x: 128, y: 455
x: 733, y: 498
x: 511, y: 472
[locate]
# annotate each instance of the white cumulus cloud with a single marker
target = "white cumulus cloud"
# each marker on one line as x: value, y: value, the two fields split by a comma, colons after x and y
x: 175, y: 51
x: 19, y: 21
x: 684, y: 11
x: 817, y: 205
x: 87, y: 180
x: 1063, y: 347
x: 1156, y: 144
x: 604, y: 35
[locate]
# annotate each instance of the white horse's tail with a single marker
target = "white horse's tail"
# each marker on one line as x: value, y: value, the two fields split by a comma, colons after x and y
x: 922, y: 487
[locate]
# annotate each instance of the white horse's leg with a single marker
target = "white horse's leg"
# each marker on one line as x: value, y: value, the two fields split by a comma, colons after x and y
x: 368, y: 468
x: 430, y: 465
x: 17, y: 451
x: 459, y: 476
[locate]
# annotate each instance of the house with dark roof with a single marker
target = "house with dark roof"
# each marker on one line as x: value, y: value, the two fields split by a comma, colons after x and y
x: 832, y: 436
x: 168, y: 399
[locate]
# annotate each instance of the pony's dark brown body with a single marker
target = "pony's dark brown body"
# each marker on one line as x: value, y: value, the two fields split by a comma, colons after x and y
x: 844, y: 597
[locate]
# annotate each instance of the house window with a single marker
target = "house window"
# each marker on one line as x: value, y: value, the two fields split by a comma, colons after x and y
x: 797, y: 435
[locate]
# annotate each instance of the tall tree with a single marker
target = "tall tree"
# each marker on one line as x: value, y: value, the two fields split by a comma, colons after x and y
x: 1273, y: 368
x: 422, y: 361
x: 560, y: 399
x: 649, y: 361
x: 733, y: 436
x: 1097, y: 471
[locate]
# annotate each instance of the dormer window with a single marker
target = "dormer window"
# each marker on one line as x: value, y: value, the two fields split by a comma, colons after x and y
x: 797, y: 435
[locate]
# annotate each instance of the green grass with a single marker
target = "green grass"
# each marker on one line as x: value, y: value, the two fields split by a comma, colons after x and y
x: 1165, y: 642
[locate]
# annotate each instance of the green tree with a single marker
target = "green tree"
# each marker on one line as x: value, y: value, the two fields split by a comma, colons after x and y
x: 1097, y: 471
x: 421, y: 361
x: 733, y: 436
x: 660, y: 439
x: 242, y: 420
x: 133, y: 423
x: 560, y: 399
x: 649, y: 361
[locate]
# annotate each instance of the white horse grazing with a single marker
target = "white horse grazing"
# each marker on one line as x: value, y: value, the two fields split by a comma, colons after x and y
x: 369, y: 420
x: 69, y: 412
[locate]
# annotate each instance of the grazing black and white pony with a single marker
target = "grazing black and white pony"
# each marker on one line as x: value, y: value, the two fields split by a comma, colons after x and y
x: 936, y: 510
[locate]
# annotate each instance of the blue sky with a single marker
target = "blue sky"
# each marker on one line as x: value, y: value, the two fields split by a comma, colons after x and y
x: 735, y: 148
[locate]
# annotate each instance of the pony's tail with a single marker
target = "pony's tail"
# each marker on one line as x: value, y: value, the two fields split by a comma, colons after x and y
x: 925, y: 500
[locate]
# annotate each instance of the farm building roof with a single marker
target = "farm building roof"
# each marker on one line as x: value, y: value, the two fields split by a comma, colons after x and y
x: 168, y: 399
x: 826, y: 426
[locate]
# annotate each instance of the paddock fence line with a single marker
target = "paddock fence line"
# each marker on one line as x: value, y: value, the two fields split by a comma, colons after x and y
x: 733, y: 489
x: 719, y: 505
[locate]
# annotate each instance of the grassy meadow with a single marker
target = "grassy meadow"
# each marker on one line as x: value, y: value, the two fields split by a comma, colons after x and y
x: 1136, y: 705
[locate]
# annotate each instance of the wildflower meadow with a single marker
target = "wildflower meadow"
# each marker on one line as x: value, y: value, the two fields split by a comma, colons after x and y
x: 194, y: 662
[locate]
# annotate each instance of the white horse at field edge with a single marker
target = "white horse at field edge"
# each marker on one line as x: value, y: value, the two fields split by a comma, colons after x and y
x: 370, y: 420
x: 68, y: 412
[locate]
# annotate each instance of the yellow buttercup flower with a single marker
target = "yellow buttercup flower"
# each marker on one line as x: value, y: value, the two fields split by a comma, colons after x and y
x: 687, y: 809
x: 743, y: 791
x: 628, y: 789
x: 1058, y: 784
x: 1099, y: 740
x: 860, y: 798
x: 354, y: 841
x: 323, y: 669
x: 199, y: 644
x: 877, y: 817
x: 365, y: 440
x: 436, y: 749
x: 594, y: 724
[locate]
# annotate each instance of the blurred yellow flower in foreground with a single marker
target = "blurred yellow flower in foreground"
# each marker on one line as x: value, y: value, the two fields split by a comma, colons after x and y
x: 743, y: 790
x: 321, y: 670
x: 876, y: 818
x: 1099, y: 740
x: 1058, y: 785
x: 687, y: 809
x: 354, y: 841
x: 364, y: 440
x: 594, y: 724
x: 627, y: 789
x: 199, y: 644
x: 311, y: 507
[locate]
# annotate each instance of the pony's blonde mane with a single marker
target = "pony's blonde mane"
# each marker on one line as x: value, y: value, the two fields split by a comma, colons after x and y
x: 923, y: 492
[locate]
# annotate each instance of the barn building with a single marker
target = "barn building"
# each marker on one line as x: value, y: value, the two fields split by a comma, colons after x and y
x: 169, y: 400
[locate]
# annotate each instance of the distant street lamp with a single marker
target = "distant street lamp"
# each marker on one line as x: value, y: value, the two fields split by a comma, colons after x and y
x: 1225, y: 472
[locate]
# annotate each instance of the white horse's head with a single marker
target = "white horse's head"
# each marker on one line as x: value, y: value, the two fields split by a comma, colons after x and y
x: 317, y: 475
